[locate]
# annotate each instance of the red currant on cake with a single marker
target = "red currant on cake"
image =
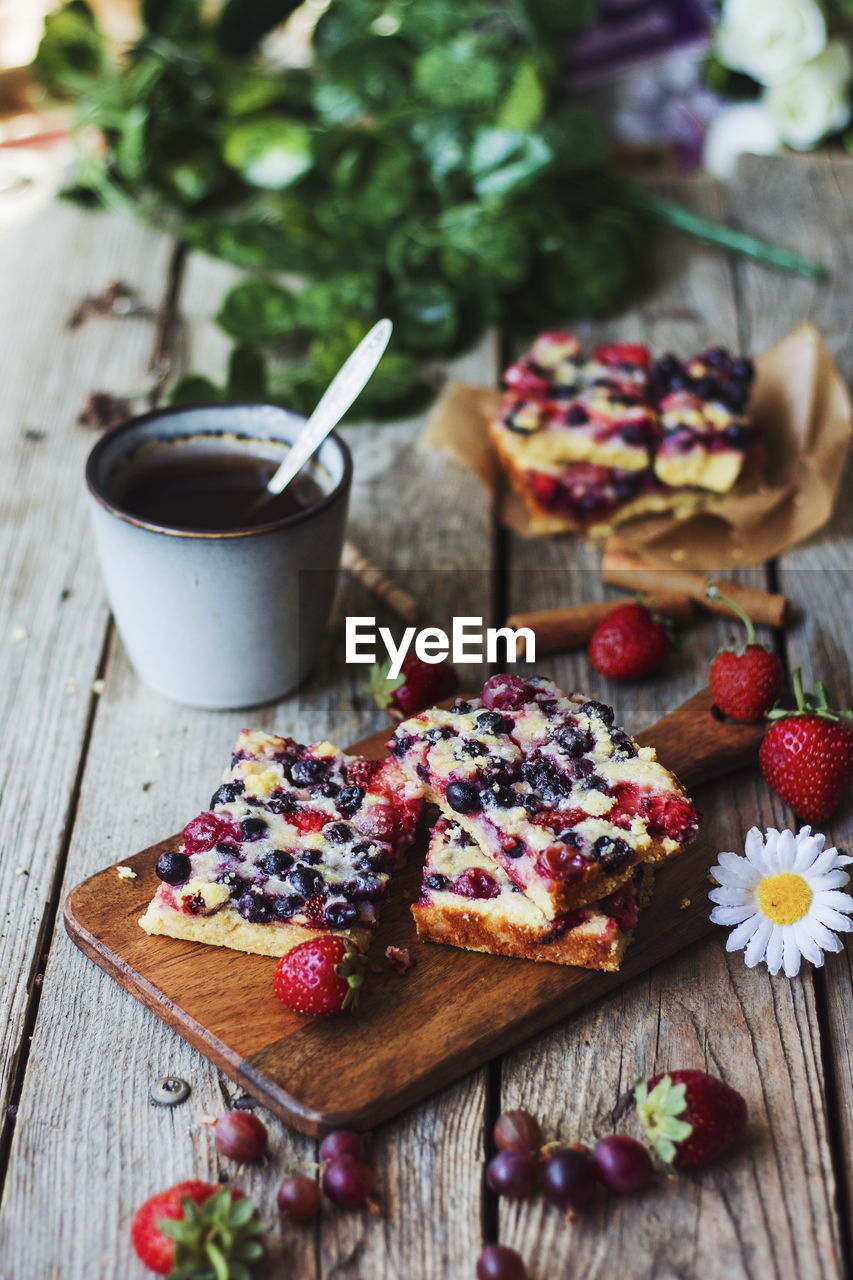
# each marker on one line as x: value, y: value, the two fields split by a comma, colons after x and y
x: 297, y: 842
x: 548, y: 787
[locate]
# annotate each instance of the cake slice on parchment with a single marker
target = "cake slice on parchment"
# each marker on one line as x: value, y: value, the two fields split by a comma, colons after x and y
x: 297, y: 841
x: 468, y: 901
x: 554, y: 793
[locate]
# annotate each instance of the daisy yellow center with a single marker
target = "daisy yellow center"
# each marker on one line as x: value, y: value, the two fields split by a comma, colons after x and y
x: 784, y: 898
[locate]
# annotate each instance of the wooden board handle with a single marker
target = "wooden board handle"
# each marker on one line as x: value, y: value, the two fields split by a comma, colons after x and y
x: 572, y: 626
x: 622, y: 566
x: 698, y: 745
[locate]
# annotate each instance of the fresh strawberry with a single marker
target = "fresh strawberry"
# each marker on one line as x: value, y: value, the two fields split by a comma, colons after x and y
x: 419, y: 685
x: 320, y: 977
x: 807, y: 755
x: 198, y: 1231
x: 629, y: 643
x: 689, y: 1117
x: 745, y: 681
x: 614, y: 354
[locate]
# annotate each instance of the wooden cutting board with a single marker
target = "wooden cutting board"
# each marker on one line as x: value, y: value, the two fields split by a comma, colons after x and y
x: 412, y: 1034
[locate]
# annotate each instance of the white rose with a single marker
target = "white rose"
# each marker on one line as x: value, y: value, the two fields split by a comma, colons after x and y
x: 767, y: 38
x: 744, y: 127
x: 814, y: 99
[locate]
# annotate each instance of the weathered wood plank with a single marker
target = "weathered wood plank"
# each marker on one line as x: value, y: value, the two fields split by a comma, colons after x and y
x: 746, y: 1217
x: 809, y: 204
x: 52, y: 613
x: 151, y: 764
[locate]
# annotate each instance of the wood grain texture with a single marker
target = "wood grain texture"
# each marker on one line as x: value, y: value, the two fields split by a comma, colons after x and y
x: 810, y: 206
x: 455, y: 1010
x: 52, y: 614
x: 151, y: 764
x: 749, y: 1217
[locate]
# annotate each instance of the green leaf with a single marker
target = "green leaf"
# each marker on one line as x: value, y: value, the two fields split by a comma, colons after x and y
x: 247, y: 381
x: 426, y: 317
x: 243, y: 23
x: 706, y: 231
x: 481, y: 242
x: 323, y: 302
x: 269, y: 151
x: 505, y: 160
x: 577, y: 138
x: 71, y: 53
x: 177, y: 19
x: 193, y: 389
x: 193, y: 177
x: 524, y: 105
x: 467, y: 72
x: 258, y: 311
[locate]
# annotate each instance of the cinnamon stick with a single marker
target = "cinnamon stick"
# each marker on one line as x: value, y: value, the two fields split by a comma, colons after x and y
x: 622, y: 566
x: 572, y: 626
x: 377, y: 581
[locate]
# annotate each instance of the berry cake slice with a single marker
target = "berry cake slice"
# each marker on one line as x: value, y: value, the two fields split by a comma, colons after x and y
x: 707, y: 434
x: 565, y: 802
x: 562, y: 407
x: 297, y: 840
x: 468, y: 901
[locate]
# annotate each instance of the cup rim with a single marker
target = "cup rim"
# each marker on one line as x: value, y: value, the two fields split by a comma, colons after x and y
x: 272, y: 526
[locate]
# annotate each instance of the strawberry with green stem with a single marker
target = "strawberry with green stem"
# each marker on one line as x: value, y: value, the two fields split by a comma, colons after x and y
x: 321, y: 977
x: 690, y: 1117
x: 745, y: 681
x: 198, y: 1231
x: 418, y: 686
x: 630, y: 642
x: 807, y: 754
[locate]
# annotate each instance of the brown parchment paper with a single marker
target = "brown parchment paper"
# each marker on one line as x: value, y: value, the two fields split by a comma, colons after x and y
x: 803, y: 411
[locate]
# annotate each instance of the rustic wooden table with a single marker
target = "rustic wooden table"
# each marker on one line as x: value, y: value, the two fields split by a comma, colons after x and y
x: 95, y: 767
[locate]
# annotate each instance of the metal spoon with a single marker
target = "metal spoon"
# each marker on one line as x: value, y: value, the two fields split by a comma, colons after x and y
x: 347, y: 383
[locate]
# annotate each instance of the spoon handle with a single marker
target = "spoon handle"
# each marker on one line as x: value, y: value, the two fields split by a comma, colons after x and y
x: 337, y: 398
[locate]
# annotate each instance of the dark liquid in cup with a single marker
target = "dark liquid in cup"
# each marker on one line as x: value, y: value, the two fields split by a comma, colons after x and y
x: 213, y: 489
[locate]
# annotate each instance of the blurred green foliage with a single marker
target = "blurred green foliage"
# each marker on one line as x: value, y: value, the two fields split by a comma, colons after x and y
x: 426, y: 167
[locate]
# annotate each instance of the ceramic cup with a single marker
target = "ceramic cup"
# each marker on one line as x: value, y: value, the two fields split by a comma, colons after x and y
x: 220, y: 619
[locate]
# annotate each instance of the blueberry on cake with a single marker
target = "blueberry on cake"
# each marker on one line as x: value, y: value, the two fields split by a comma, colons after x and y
x: 706, y: 432
x: 467, y: 900
x: 297, y: 840
x: 553, y: 792
x: 564, y: 407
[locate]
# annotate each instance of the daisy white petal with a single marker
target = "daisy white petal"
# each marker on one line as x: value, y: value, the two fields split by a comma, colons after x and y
x: 786, y: 851
x: 832, y: 880
x: 790, y: 955
x: 832, y: 919
x: 740, y: 936
x: 806, y: 942
x: 773, y: 956
x: 731, y: 915
x: 825, y: 938
x: 757, y: 948
x: 730, y: 897
x: 832, y: 898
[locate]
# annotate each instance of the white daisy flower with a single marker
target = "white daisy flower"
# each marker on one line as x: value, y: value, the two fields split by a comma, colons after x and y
x: 783, y: 899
